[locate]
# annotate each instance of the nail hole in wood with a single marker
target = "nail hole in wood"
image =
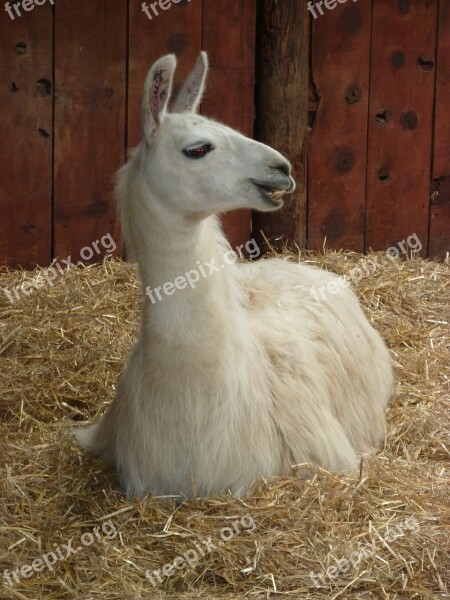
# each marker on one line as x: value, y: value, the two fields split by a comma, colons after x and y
x: 20, y: 48
x: 382, y: 117
x: 425, y: 65
x: 383, y: 174
x: 43, y: 133
x: 353, y: 94
x: 13, y: 87
x: 44, y: 87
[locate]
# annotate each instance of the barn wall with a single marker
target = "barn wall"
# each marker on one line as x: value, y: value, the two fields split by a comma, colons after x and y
x: 71, y: 79
x: 378, y: 153
x: 26, y: 111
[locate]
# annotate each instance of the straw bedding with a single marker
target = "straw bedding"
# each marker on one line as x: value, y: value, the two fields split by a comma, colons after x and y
x: 380, y: 533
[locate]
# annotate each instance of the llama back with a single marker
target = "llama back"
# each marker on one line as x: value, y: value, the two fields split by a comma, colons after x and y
x: 331, y: 369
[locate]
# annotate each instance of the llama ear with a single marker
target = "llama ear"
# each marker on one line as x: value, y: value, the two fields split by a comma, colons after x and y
x: 192, y: 91
x: 157, y: 88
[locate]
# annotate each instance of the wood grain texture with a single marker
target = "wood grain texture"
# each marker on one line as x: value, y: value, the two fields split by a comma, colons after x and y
x: 337, y: 156
x: 400, y: 121
x: 439, y: 239
x: 441, y: 154
x: 90, y: 55
x: 439, y: 232
x: 26, y: 135
x: 282, y: 110
x: 229, y: 38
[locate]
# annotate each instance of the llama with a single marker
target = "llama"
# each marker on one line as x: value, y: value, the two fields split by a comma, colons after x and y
x: 241, y: 376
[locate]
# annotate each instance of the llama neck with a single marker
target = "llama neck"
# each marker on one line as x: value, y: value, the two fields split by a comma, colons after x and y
x: 192, y: 301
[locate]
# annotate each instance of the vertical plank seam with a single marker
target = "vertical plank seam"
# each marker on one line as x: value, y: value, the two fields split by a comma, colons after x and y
x: 369, y: 89
x: 127, y: 94
x: 253, y: 67
x: 258, y: 29
x: 202, y: 36
x: 53, y: 155
x: 308, y: 137
x: 433, y: 124
x: 127, y: 74
x: 255, y: 33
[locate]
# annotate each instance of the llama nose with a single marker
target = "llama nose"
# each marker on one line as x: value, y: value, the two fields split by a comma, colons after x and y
x: 292, y: 186
x: 284, y: 167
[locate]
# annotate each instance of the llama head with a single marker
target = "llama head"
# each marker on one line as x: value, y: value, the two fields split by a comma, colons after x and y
x: 196, y: 166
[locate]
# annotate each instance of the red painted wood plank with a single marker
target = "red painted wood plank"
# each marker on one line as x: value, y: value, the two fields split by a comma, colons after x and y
x: 401, y: 121
x: 26, y: 134
x: 441, y: 161
x: 439, y: 241
x: 230, y: 42
x: 177, y: 30
x: 90, y: 47
x: 337, y: 156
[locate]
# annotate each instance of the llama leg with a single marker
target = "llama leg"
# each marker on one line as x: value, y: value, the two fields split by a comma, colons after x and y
x: 86, y: 437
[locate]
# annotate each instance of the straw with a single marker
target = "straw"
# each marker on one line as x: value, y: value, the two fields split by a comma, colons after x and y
x: 62, y: 349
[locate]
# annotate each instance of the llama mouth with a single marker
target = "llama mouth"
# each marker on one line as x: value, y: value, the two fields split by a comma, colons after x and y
x: 271, y: 195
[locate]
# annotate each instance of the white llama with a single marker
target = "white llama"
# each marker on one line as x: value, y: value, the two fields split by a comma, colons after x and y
x: 243, y: 375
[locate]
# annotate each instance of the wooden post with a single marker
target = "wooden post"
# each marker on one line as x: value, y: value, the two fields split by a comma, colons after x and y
x: 282, y: 109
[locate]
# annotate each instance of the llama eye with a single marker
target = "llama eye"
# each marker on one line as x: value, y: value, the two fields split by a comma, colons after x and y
x: 198, y: 151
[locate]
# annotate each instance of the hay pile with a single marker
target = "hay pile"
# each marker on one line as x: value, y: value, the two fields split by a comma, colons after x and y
x: 382, y: 533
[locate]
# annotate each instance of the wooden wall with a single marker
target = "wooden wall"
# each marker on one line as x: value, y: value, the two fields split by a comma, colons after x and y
x: 378, y: 153
x: 71, y: 79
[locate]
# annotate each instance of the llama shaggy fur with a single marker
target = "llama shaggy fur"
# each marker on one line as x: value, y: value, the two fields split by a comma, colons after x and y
x: 243, y: 375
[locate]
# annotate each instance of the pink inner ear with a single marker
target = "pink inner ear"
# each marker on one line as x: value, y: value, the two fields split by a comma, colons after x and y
x: 159, y: 92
